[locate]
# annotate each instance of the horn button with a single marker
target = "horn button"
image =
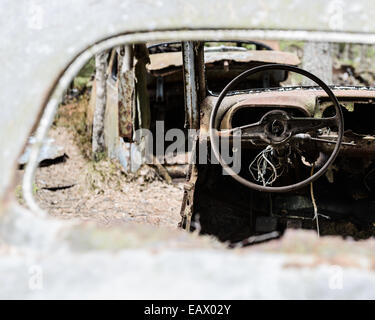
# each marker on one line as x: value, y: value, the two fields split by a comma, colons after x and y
x: 275, y: 124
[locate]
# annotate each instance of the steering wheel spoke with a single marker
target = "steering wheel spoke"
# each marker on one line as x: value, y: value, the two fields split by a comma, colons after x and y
x: 249, y: 131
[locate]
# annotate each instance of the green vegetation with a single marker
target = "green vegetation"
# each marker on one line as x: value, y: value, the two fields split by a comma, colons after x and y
x: 73, y: 115
x: 291, y: 46
x: 82, y: 80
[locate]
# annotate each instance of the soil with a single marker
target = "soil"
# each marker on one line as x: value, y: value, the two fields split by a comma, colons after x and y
x: 102, y: 191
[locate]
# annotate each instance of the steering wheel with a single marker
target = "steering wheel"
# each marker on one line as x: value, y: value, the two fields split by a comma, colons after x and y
x: 276, y: 128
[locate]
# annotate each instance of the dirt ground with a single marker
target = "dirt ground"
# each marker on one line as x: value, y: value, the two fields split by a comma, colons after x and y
x: 102, y: 191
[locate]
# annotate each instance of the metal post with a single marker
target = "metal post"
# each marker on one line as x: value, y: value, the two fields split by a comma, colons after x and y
x: 190, y: 84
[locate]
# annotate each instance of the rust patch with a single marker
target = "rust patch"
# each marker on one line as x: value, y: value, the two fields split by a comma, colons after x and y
x: 126, y: 101
x: 166, y: 60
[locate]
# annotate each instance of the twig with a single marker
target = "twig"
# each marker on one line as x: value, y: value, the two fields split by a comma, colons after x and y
x: 314, y: 202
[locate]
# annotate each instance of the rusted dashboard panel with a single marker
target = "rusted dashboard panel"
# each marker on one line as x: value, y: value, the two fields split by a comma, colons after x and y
x: 357, y: 104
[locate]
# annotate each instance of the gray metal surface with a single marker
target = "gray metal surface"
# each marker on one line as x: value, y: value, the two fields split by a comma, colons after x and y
x: 52, y: 260
x: 49, y: 151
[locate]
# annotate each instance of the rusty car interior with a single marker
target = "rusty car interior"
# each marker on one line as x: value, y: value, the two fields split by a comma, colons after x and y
x: 233, y: 211
x: 290, y: 137
x: 222, y: 62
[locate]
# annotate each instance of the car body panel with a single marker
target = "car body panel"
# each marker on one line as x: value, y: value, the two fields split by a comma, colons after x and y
x: 160, y: 61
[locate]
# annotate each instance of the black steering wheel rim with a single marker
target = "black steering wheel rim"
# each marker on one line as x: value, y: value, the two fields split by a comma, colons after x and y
x: 214, y: 127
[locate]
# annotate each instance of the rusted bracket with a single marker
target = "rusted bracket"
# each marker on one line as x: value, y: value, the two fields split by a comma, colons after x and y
x: 189, y: 188
x: 194, y: 84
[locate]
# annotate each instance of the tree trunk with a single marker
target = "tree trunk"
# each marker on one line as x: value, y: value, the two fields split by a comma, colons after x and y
x: 317, y: 59
x: 98, y: 146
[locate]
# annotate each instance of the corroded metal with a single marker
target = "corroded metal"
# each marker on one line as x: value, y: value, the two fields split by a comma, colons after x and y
x: 142, y: 99
x: 190, y: 85
x: 126, y: 94
x: 297, y: 97
x: 161, y: 61
x: 187, y: 206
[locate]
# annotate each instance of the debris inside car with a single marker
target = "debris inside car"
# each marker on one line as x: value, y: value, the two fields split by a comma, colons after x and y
x: 299, y: 166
